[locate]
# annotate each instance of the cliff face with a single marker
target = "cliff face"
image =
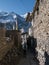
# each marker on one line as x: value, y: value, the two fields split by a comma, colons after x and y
x: 41, y: 30
x: 40, y: 17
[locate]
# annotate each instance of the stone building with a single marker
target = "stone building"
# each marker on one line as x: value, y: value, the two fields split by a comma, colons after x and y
x: 40, y: 17
x: 15, y: 35
x: 8, y: 39
x: 4, y: 46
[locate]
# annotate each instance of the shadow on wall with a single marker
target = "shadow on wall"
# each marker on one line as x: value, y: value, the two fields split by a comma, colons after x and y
x: 46, y: 59
x: 32, y: 44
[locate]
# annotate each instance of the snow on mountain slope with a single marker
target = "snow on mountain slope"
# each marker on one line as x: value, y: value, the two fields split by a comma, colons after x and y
x: 25, y: 15
x: 10, y: 19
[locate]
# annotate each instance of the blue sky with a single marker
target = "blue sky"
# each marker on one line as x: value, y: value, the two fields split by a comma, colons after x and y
x: 17, y: 6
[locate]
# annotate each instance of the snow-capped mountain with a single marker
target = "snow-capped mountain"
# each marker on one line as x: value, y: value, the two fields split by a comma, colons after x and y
x: 8, y: 20
x: 25, y: 15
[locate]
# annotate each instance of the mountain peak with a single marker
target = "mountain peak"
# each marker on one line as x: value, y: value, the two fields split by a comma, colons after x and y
x: 11, y: 18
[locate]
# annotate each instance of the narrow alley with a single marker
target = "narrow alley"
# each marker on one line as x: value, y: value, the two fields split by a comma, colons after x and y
x: 29, y: 60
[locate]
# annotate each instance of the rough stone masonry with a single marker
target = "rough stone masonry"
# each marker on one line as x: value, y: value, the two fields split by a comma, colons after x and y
x: 40, y: 18
x: 41, y: 30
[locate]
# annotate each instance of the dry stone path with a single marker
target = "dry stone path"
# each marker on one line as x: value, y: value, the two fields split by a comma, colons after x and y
x: 28, y: 60
x: 15, y: 58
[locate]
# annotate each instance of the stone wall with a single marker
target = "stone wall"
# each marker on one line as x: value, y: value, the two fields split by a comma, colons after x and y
x: 41, y: 30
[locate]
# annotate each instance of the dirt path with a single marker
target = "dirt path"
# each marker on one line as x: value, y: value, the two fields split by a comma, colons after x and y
x: 28, y: 60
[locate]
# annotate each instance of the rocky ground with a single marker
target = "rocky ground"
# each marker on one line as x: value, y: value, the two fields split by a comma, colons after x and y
x: 15, y: 57
x: 11, y: 58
